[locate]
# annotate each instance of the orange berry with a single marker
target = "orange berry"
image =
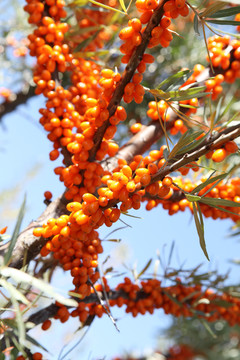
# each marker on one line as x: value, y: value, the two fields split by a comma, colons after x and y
x: 219, y: 155
x: 47, y: 195
x: 3, y: 230
x: 46, y: 324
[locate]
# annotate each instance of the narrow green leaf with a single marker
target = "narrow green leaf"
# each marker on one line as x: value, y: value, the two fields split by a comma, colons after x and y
x: 212, y: 187
x: 35, y: 342
x: 211, y: 9
x: 86, y: 42
x: 144, y: 269
x: 176, y: 79
x: 207, y: 327
x: 165, y: 154
x: 192, y: 198
x: 200, y: 215
x: 79, y: 3
x: 13, y: 291
x: 224, y: 22
x: 13, y: 240
x: 123, y: 5
x: 227, y: 108
x: 194, y: 144
x: 180, y: 95
x: 91, y: 54
x: 226, y: 12
x: 210, y: 180
x: 106, y: 6
x: 187, y: 138
x: 22, y: 277
x: 114, y: 240
x: 173, y: 298
x: 218, y: 109
x: 224, y: 209
x: 196, y: 24
x: 219, y: 202
x: 200, y: 231
x: 212, y: 28
x: 20, y: 323
x: 133, y: 216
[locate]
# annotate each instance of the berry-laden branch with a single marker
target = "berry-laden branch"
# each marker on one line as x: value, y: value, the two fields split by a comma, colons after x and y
x: 146, y: 296
x: 128, y: 74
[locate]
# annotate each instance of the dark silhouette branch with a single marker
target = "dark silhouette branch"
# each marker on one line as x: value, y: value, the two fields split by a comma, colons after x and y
x: 20, y: 98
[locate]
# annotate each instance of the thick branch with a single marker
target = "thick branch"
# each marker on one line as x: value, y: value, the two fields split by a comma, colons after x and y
x: 28, y: 246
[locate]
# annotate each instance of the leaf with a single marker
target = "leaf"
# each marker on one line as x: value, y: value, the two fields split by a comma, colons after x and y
x: 177, y: 79
x: 106, y: 6
x: 226, y: 12
x: 200, y: 230
x: 212, y: 28
x: 91, y: 54
x: 211, y: 9
x: 196, y: 24
x: 22, y: 277
x: 13, y: 240
x: 79, y: 3
x: 123, y: 5
x: 144, y: 269
x: 174, y: 299
x: 192, y: 198
x: 165, y: 154
x: 14, y: 292
x: 210, y: 180
x: 114, y: 240
x: 180, y: 95
x: 35, y: 342
x: 87, y: 41
x: 207, y: 327
x: 187, y: 138
x: 226, y: 210
x: 133, y: 216
x: 194, y: 144
x: 219, y: 202
x: 224, y: 22
x: 218, y: 109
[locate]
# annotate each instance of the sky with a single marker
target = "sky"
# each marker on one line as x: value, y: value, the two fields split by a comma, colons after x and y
x: 26, y: 169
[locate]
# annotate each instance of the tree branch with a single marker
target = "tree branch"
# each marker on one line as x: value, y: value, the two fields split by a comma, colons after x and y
x: 128, y: 74
x: 21, y: 98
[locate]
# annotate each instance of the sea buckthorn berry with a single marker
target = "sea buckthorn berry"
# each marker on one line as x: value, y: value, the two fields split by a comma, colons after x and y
x: 231, y: 146
x: 47, y: 195
x: 37, y: 356
x: 167, y: 181
x: 46, y: 324
x: 179, y: 3
x: 219, y: 155
x: 136, y: 24
x: 3, y: 230
x: 37, y: 231
x: 126, y: 33
x: 89, y: 198
x: 135, y: 128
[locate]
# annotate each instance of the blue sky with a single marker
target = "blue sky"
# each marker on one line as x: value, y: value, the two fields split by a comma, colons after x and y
x: 24, y: 150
